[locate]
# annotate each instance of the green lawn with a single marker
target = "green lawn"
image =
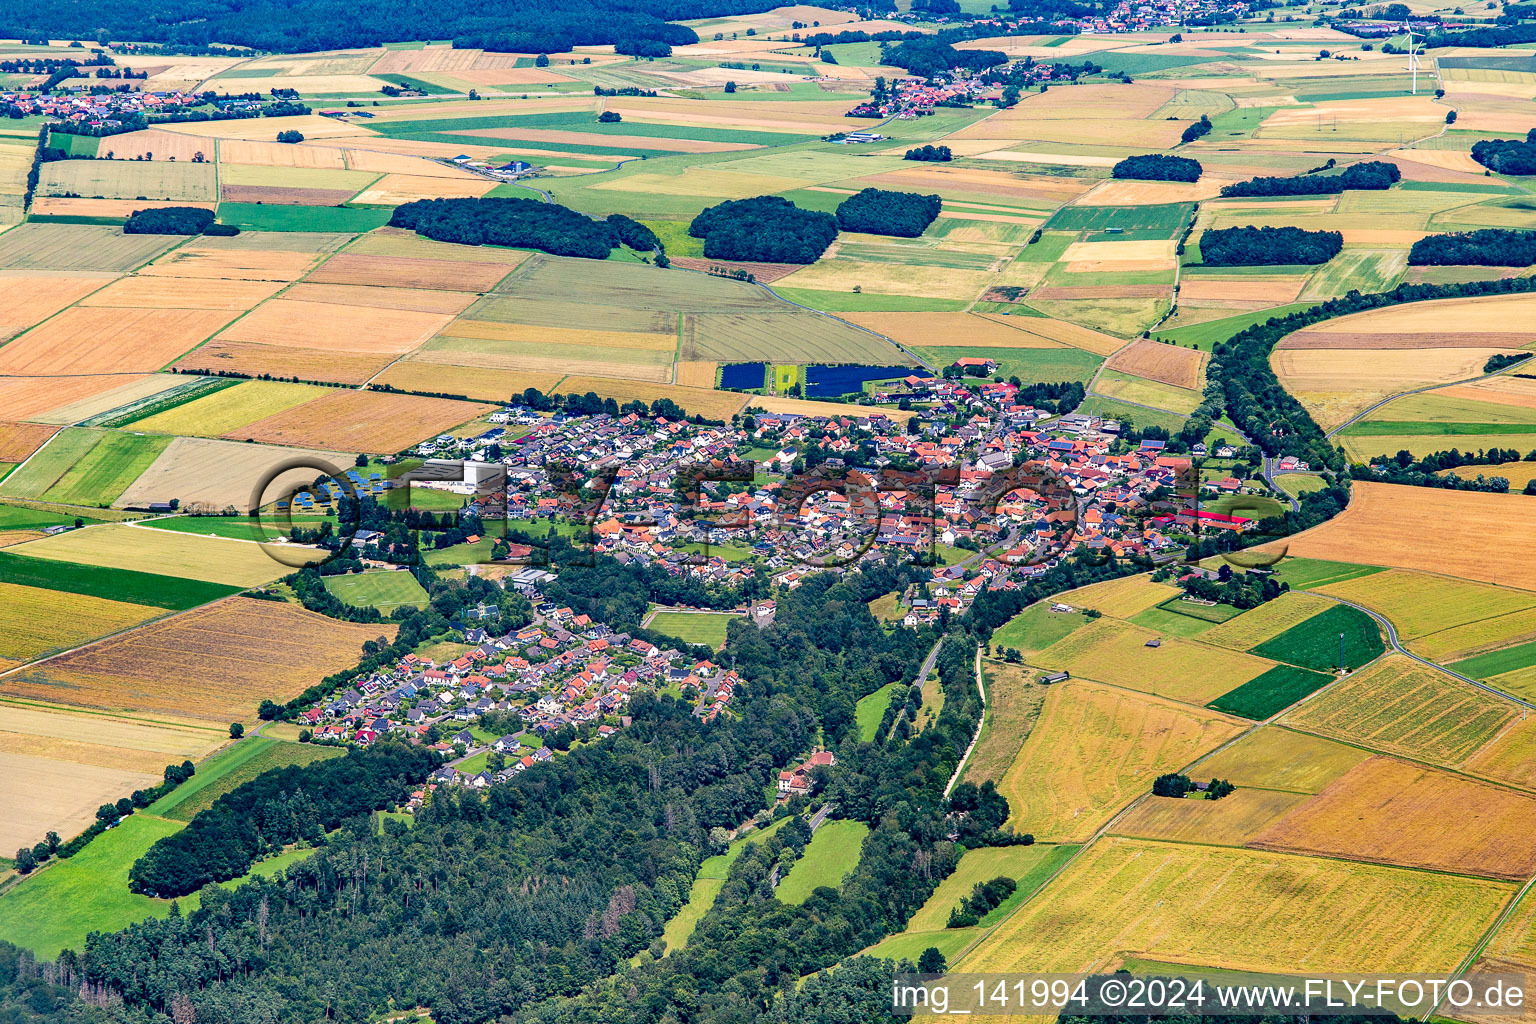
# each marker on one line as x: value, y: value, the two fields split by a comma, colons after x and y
x: 707, y: 628
x: 234, y: 766
x: 385, y: 590
x: 1315, y: 643
x: 832, y: 852
x: 1030, y: 365
x: 267, y: 528
x: 1270, y: 692
x: 16, y: 517
x: 871, y: 709
x: 1206, y: 335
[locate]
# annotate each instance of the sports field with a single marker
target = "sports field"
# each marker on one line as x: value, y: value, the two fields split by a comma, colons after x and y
x: 705, y: 628
x: 385, y: 591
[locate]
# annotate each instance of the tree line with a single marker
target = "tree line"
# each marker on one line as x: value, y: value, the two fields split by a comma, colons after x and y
x: 1370, y: 175
x: 1484, y: 247
x: 548, y: 227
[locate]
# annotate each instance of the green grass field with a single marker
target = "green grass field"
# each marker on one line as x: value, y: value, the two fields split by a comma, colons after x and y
x: 1204, y: 336
x: 58, y: 906
x: 832, y: 852
x: 1029, y: 866
x: 18, y: 517
x: 1135, y: 223
x: 1306, y: 573
x: 1315, y: 643
x: 1030, y: 365
x: 1036, y: 628
x: 871, y: 708
x: 384, y: 590
x: 234, y: 766
x: 1098, y: 405
x: 104, y: 472
x: 171, y: 592
x: 1269, y: 693
x: 1493, y: 663
x: 707, y: 628
x: 264, y: 217
x: 237, y: 527
x: 868, y: 302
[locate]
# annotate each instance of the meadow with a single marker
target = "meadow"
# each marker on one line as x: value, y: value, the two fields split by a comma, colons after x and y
x: 235, y: 765
x: 833, y: 851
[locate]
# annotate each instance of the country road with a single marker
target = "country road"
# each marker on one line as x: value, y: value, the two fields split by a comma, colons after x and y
x: 1391, y: 630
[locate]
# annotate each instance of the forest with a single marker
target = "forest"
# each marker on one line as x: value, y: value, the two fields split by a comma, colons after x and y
x: 175, y: 220
x: 549, y: 227
x: 1158, y: 167
x: 931, y: 154
x: 296, y: 26
x: 1370, y: 175
x: 1485, y: 247
x: 928, y: 56
x: 766, y: 229
x: 1264, y: 246
x: 876, y: 211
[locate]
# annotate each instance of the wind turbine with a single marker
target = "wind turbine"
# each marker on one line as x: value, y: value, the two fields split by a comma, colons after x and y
x: 1413, y: 56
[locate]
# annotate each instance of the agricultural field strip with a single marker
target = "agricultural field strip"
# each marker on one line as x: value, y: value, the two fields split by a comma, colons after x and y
x: 1108, y: 827
x: 1366, y: 412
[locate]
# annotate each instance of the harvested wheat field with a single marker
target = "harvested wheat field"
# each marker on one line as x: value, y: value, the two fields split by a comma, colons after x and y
x: 1392, y: 812
x: 281, y: 154
x: 99, y: 340
x: 364, y: 421
x: 1337, y: 384
x: 1398, y: 706
x: 26, y: 300
x: 240, y: 650
x: 61, y: 400
x: 65, y: 206
x: 1125, y: 192
x: 1157, y: 361
x: 715, y: 405
x: 410, y: 272
x: 1118, y: 252
x: 1113, y: 651
x: 420, y: 300
x: 182, y: 293
x: 131, y: 742
x: 209, y: 474
x: 330, y: 326
x: 395, y: 189
x: 19, y: 440
x: 1241, y: 910
x: 399, y: 243
x: 1489, y: 313
x: 1066, y: 333
x: 1121, y: 598
x: 696, y: 373
x: 1435, y: 530
x: 162, y: 552
x: 1420, y: 603
x: 309, y: 364
x: 806, y: 407
x: 951, y: 329
x: 240, y: 264
x: 472, y: 382
x: 155, y: 144
x: 1276, y: 290
x: 1095, y: 748
x: 47, y: 795
x: 1273, y: 758
x: 1230, y: 821
x: 35, y: 622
